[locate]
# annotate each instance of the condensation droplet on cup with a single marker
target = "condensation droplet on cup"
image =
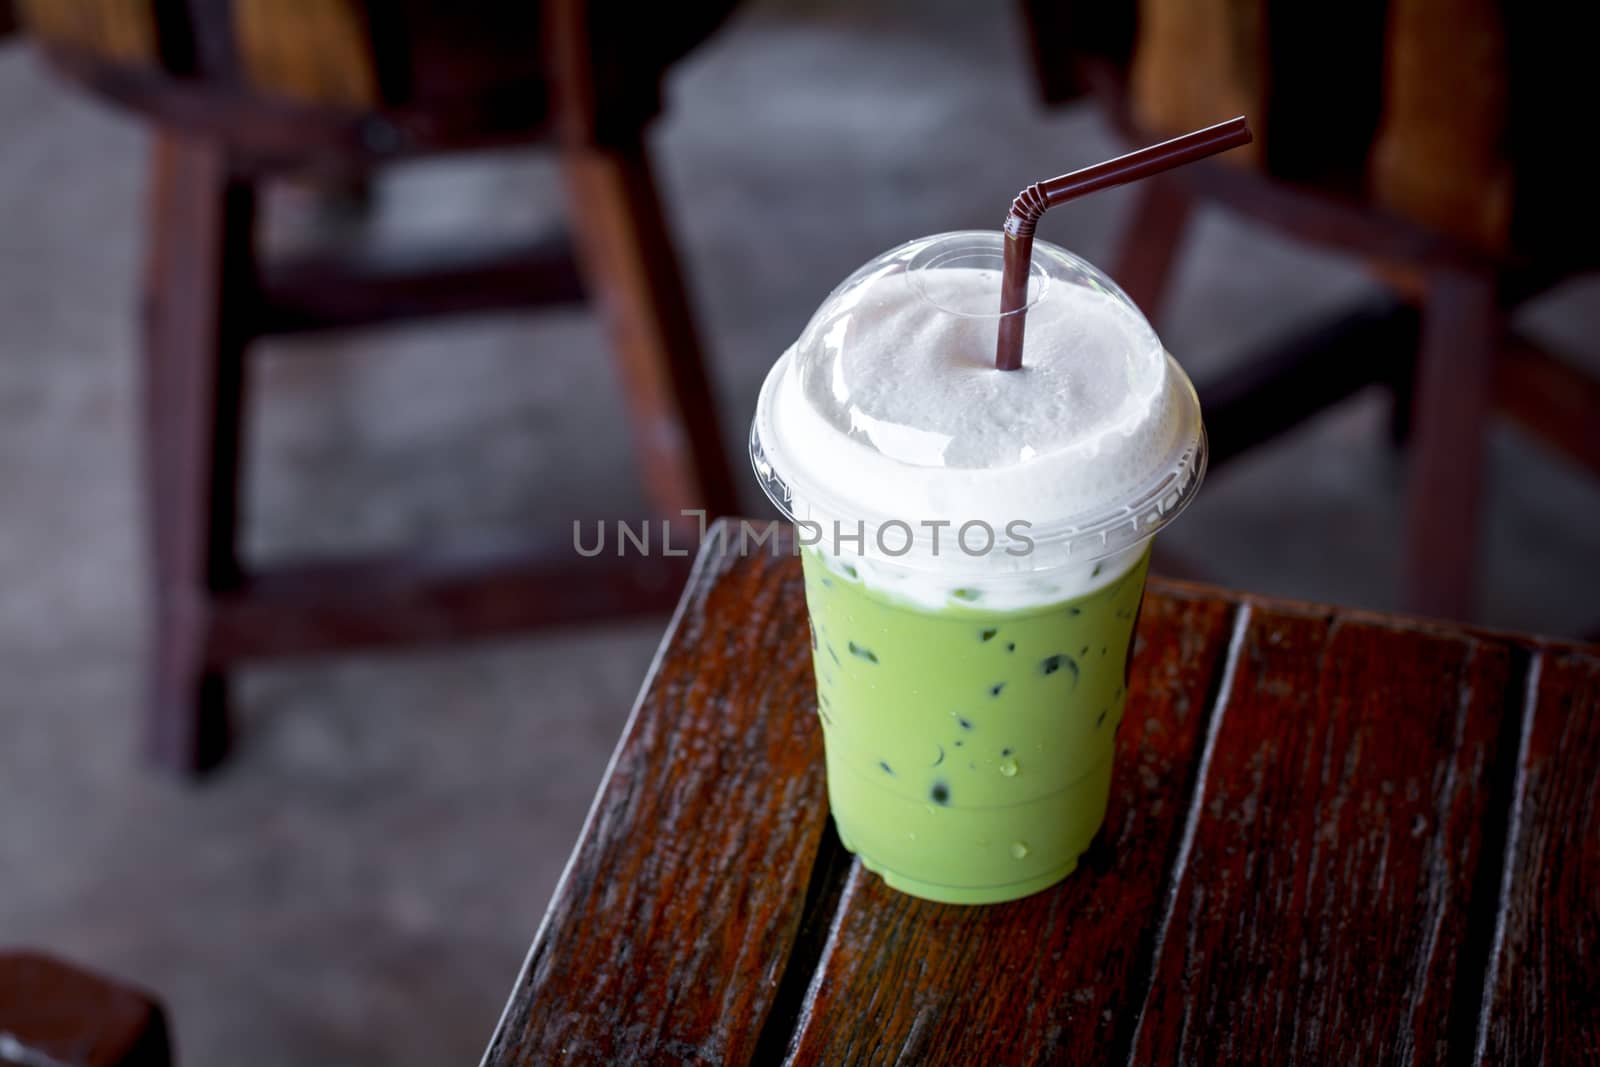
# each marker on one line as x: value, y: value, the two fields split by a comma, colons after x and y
x: 1019, y: 850
x: 1008, y: 767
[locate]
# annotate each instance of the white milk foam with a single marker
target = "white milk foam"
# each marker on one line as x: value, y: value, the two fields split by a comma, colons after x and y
x: 889, y: 408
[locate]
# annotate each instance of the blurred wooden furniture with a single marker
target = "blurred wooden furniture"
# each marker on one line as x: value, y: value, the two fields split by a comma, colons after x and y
x: 54, y: 1014
x: 1429, y: 138
x: 244, y: 91
x: 1334, y: 837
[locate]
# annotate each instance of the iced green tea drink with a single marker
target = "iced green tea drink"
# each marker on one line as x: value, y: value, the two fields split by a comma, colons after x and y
x: 975, y: 546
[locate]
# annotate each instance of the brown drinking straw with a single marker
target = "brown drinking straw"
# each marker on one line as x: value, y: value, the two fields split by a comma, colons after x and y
x: 1032, y: 202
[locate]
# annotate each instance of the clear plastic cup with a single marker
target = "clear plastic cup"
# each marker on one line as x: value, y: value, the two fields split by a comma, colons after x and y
x: 974, y: 585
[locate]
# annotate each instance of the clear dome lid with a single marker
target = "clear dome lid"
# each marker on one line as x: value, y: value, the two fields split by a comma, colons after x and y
x: 888, y: 408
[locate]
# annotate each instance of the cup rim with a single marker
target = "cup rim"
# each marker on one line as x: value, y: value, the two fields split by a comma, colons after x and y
x: 1084, y: 536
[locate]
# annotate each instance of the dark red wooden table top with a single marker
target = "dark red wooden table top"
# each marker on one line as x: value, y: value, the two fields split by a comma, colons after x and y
x: 1334, y: 837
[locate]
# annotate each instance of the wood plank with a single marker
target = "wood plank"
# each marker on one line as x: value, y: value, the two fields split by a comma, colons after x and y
x: 1322, y: 912
x: 1053, y: 977
x: 318, y: 51
x: 123, y: 31
x: 1439, y: 155
x: 669, y: 933
x: 1546, y: 967
x: 1316, y: 215
x: 1196, y: 62
x: 272, y: 133
x: 322, y: 291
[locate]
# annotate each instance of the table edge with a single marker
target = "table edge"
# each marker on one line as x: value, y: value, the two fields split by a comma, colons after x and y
x: 711, y: 548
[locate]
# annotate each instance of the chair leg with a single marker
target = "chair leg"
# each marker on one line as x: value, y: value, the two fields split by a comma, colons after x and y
x: 1461, y: 328
x: 1151, y: 243
x: 628, y: 262
x: 199, y: 267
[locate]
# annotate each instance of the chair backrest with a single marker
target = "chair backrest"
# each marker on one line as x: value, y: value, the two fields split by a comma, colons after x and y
x: 122, y: 32
x: 347, y: 54
x: 1451, y: 113
x: 427, y: 73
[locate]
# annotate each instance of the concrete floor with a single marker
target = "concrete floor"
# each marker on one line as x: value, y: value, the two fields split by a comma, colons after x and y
x: 360, y: 885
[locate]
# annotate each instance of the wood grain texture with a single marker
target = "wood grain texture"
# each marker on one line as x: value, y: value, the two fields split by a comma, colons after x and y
x: 1055, y: 977
x: 668, y: 937
x: 120, y: 30
x: 1323, y: 905
x: 269, y: 134
x: 1439, y: 155
x: 1303, y: 862
x: 317, y: 51
x: 1196, y: 62
x: 1546, y: 969
x: 341, y: 84
x: 1328, y: 217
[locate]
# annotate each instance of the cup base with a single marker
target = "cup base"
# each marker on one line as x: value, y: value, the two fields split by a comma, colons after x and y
x: 955, y: 894
x: 966, y: 856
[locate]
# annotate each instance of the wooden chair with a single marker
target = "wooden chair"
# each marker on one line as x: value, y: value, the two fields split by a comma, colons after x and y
x: 54, y: 1013
x: 1427, y: 137
x: 244, y: 91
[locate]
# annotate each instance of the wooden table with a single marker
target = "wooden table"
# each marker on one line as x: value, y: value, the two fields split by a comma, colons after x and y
x: 1334, y: 836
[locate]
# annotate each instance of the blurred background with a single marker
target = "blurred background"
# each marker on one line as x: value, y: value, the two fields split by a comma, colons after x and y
x: 359, y: 881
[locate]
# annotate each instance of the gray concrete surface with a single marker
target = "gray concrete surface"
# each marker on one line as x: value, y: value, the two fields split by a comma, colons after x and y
x: 360, y: 886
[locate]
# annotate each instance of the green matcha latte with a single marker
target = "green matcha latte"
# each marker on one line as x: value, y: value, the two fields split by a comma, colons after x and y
x: 975, y: 545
